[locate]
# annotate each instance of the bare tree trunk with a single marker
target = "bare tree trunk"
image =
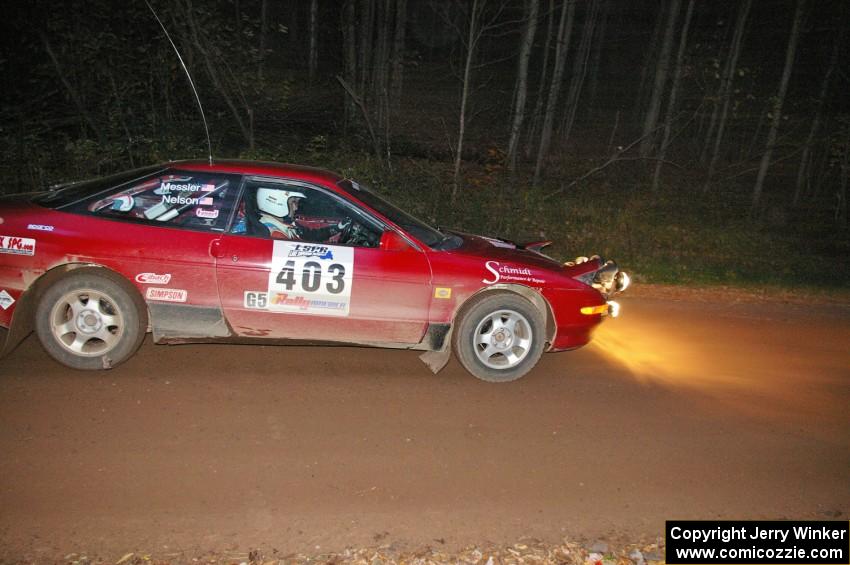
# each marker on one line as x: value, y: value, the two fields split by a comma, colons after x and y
x: 596, y: 58
x: 780, y: 100
x: 537, y: 114
x: 350, y: 56
x: 237, y: 16
x: 314, y: 40
x: 526, y: 43
x: 649, y: 57
x: 662, y: 69
x: 579, y: 69
x: 264, y: 5
x: 398, y: 52
x: 726, y: 87
x: 120, y: 111
x: 72, y: 92
x: 376, y: 145
x: 212, y: 71
x: 844, y: 171
x: 293, y: 34
x: 471, y: 44
x: 565, y: 28
x: 366, y: 16
x: 380, y: 63
x: 674, y: 91
x: 805, y: 158
x: 715, y: 104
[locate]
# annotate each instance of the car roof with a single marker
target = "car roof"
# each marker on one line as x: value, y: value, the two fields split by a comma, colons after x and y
x: 260, y: 168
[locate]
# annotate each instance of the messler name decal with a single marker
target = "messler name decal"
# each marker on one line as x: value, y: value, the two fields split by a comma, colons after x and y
x: 308, y: 278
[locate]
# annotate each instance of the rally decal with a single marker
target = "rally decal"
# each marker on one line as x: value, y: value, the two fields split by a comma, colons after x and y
x: 309, y: 278
x: 153, y: 278
x: 6, y: 299
x: 17, y: 245
x: 508, y: 273
x: 166, y: 294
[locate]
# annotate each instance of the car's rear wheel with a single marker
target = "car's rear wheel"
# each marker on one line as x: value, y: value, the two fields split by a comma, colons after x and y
x: 90, y: 321
x: 499, y: 337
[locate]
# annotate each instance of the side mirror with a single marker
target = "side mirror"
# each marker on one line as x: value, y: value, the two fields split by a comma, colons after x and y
x: 392, y: 241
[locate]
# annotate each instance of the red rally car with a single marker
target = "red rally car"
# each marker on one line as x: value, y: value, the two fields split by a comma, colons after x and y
x: 252, y: 252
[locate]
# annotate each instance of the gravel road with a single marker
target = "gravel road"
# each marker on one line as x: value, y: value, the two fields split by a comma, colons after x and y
x: 685, y: 407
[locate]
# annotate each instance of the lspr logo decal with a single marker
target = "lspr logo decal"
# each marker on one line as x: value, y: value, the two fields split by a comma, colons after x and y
x: 318, y: 251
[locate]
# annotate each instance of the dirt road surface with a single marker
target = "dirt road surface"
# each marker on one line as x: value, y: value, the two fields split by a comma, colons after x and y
x: 682, y: 408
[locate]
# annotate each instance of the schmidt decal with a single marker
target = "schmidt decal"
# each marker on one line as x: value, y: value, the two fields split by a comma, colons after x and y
x: 508, y: 273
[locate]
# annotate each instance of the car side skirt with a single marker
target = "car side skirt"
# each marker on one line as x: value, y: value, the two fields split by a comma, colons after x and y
x: 171, y: 322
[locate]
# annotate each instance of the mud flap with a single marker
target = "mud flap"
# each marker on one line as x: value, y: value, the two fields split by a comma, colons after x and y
x: 438, y: 359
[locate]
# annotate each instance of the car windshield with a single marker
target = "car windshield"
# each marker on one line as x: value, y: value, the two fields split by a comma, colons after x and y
x: 72, y: 193
x: 432, y: 237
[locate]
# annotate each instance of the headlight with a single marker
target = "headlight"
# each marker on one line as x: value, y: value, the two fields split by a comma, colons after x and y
x: 623, y: 281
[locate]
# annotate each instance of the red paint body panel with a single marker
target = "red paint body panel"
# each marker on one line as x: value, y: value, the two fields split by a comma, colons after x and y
x: 395, y: 294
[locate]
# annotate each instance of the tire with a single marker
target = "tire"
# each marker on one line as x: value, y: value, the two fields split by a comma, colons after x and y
x: 88, y: 320
x: 499, y: 337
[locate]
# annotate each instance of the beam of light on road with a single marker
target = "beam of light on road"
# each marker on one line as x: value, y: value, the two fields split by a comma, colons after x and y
x: 655, y: 353
x: 745, y: 362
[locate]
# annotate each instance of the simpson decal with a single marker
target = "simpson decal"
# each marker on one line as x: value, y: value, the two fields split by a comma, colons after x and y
x: 6, y: 299
x: 310, y: 279
x: 166, y: 294
x: 17, y: 245
x: 153, y: 278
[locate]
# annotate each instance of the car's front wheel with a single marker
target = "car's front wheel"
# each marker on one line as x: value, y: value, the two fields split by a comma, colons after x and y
x: 499, y: 337
x: 90, y: 321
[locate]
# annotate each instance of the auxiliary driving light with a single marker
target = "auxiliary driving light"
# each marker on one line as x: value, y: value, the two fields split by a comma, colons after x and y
x: 613, y: 308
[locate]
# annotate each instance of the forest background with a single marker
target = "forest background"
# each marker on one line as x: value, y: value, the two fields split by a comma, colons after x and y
x: 693, y: 141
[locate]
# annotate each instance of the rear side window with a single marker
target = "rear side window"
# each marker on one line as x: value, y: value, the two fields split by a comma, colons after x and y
x: 201, y: 201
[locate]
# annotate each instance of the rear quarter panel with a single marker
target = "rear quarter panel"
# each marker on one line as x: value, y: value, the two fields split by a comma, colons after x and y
x: 132, y: 250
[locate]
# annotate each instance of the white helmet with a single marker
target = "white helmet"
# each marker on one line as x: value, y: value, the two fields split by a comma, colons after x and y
x: 275, y: 201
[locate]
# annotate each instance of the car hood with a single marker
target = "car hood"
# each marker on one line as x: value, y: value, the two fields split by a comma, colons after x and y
x: 490, y: 248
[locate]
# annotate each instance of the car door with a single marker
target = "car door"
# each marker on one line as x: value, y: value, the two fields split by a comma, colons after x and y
x: 344, y: 288
x: 158, y: 231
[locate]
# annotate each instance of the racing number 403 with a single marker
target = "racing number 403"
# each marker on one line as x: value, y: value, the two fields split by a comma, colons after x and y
x: 311, y: 277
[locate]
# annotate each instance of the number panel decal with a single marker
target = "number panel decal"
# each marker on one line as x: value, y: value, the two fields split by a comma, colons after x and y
x: 308, y: 278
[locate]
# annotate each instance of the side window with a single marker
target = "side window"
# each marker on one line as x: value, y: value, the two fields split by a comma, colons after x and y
x: 280, y: 210
x: 201, y: 201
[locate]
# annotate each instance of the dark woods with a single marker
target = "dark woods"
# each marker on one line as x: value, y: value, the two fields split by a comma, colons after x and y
x: 527, y: 105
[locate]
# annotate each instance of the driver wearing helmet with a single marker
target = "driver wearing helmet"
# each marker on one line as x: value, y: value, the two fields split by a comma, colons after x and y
x: 278, y: 209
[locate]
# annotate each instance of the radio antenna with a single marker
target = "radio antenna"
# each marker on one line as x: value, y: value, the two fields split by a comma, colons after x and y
x: 188, y: 75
